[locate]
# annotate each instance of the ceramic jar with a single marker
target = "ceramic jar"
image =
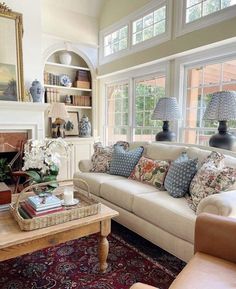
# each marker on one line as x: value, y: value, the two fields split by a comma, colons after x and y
x: 37, y: 91
x: 84, y: 127
x: 65, y: 58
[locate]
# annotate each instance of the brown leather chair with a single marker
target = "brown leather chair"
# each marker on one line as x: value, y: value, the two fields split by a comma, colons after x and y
x: 213, y: 265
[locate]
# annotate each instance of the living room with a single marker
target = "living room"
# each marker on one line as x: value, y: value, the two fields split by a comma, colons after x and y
x: 101, y: 76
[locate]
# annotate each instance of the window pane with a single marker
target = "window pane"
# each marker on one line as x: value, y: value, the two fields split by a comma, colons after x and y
x: 192, y: 2
x: 160, y: 14
x: 159, y: 28
x: 148, y: 20
x: 117, y: 112
x: 148, y: 33
x: 194, y: 98
x: 210, y: 6
x: 195, y: 77
x: 227, y: 3
x: 138, y: 25
x: 212, y: 74
x: 147, y: 93
x: 193, y: 13
x: 123, y: 32
x: 138, y: 37
x: 229, y: 71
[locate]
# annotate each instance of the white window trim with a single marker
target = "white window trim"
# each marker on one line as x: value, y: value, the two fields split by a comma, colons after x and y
x: 216, y: 17
x: 146, y: 72
x: 211, y: 56
x: 128, y: 20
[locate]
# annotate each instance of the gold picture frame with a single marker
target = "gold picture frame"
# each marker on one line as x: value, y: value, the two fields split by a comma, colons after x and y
x: 11, y: 55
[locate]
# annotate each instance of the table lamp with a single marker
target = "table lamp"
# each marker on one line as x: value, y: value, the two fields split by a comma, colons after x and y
x: 167, y: 110
x: 222, y: 107
x: 59, y: 112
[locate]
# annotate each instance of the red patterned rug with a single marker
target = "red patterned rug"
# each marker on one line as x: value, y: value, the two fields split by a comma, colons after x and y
x: 75, y: 265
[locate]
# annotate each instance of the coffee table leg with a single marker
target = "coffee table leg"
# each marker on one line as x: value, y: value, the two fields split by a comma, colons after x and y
x: 104, y: 245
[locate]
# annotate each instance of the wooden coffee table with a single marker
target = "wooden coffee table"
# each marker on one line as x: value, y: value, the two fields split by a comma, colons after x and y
x: 14, y: 242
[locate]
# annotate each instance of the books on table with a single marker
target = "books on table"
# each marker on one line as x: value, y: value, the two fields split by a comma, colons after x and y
x: 36, y: 206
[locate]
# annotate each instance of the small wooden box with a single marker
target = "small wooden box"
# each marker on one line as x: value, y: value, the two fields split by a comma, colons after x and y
x: 5, y: 194
x: 82, y: 84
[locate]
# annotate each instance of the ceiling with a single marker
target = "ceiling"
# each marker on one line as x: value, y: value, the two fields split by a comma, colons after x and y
x: 90, y: 8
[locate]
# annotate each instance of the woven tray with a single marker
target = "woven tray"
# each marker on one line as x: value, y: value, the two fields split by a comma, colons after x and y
x: 87, y: 206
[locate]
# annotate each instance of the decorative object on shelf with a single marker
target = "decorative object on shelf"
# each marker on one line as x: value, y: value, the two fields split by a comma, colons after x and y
x: 222, y: 107
x: 167, y: 110
x: 65, y: 57
x: 65, y: 80
x: 84, y: 127
x: 37, y: 91
x: 42, y: 159
x: 72, y: 125
x: 68, y: 99
x: 59, y: 112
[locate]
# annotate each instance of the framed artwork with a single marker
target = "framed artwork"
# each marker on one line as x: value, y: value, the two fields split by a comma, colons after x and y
x: 72, y: 124
x: 11, y: 59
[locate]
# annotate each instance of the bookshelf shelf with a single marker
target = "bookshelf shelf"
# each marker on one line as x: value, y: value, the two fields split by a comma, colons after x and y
x: 66, y: 88
x: 66, y: 66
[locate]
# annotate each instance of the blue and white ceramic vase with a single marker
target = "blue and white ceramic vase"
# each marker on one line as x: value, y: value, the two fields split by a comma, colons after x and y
x: 37, y: 91
x: 84, y: 127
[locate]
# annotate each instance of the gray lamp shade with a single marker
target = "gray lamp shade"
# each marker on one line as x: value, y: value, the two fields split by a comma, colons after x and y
x: 166, y: 109
x: 222, y: 106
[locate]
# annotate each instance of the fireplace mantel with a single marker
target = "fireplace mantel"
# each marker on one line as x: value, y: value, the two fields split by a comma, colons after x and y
x: 23, y: 116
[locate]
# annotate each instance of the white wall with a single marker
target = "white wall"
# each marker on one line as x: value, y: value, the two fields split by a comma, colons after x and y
x: 32, y: 38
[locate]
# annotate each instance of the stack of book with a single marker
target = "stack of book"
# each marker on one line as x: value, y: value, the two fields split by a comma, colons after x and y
x: 5, y: 197
x: 36, y: 206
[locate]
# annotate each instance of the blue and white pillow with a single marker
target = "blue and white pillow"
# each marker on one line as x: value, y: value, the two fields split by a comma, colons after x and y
x: 180, y: 175
x: 123, y: 162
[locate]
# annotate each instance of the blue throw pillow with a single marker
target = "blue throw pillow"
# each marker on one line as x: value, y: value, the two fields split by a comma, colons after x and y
x: 123, y: 162
x: 180, y: 175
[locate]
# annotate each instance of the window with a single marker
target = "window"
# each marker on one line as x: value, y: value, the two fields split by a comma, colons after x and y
x: 149, y: 26
x: 202, y: 81
x: 196, y: 9
x: 147, y: 93
x: 128, y: 115
x: 144, y: 28
x: 117, y: 112
x: 116, y: 41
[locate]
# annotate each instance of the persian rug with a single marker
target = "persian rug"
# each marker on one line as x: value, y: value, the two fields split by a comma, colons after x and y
x: 75, y: 265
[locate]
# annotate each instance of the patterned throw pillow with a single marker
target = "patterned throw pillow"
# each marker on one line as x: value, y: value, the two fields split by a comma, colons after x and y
x: 123, y: 162
x: 180, y: 175
x: 150, y: 171
x: 210, y: 179
x: 102, y: 156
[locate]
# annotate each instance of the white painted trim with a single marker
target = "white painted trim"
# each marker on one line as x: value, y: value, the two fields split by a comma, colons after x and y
x: 128, y: 20
x: 216, y: 17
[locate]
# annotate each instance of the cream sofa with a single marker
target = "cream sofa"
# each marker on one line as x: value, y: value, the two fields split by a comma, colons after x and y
x: 165, y: 221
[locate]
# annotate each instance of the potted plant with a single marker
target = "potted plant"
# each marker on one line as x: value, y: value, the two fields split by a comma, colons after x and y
x: 4, y: 170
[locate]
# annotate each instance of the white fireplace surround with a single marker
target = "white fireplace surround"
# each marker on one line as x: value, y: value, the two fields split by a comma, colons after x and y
x: 23, y: 116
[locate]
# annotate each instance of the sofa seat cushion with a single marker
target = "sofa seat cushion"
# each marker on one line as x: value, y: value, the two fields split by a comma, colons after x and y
x: 122, y: 192
x: 172, y: 215
x: 205, y: 271
x: 94, y: 181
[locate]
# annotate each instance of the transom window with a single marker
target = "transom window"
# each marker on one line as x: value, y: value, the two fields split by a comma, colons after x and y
x: 196, y: 9
x: 116, y: 41
x: 202, y: 81
x: 149, y: 26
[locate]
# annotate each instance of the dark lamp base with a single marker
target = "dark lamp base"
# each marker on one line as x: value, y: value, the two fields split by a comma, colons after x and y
x: 224, y: 141
x: 165, y: 136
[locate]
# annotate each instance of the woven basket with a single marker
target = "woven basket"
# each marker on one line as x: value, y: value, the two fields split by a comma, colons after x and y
x: 87, y: 206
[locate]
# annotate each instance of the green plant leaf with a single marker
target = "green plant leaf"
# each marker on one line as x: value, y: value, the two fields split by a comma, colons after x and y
x: 34, y: 176
x: 54, y: 170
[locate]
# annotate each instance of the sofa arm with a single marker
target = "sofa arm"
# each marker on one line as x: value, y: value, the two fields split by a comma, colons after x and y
x: 84, y: 166
x: 223, y: 204
x: 142, y: 286
x: 216, y: 235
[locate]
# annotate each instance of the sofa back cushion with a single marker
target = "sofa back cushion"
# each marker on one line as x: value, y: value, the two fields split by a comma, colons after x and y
x: 159, y: 151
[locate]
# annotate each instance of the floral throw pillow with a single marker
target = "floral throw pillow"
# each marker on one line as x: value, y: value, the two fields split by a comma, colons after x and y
x: 101, y: 157
x: 150, y: 171
x: 213, y: 177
